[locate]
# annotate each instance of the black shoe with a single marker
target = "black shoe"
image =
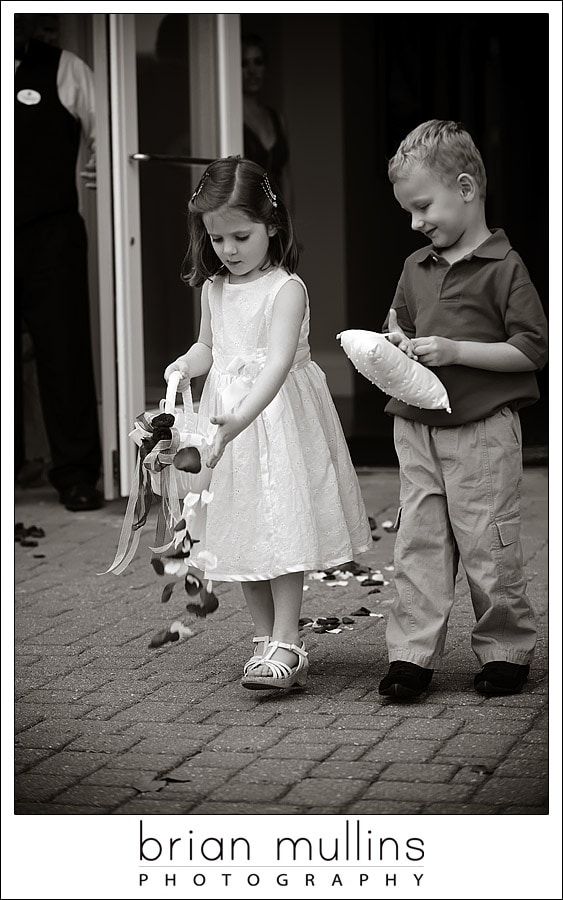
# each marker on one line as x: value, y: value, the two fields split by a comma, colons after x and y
x: 405, y: 680
x: 81, y: 497
x: 501, y: 678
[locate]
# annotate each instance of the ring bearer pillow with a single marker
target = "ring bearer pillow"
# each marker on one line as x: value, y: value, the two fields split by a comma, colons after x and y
x: 392, y: 371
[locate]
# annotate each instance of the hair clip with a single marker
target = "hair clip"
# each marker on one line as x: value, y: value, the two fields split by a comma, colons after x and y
x: 204, y: 178
x: 267, y: 188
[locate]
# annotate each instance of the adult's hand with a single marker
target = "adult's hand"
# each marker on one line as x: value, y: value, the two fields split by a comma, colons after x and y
x: 88, y: 174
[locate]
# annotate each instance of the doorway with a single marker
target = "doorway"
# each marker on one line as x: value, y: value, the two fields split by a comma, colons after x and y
x: 174, y: 105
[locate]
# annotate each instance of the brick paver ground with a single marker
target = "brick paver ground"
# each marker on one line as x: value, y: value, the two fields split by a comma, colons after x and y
x: 104, y: 725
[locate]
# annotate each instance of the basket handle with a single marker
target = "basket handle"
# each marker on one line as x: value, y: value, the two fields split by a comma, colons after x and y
x: 170, y: 400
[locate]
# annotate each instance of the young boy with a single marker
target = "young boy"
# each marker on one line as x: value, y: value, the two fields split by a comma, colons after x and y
x: 466, y: 306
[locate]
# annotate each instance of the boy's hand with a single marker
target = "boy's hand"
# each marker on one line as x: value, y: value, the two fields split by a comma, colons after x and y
x: 398, y: 337
x: 229, y: 428
x: 435, y: 351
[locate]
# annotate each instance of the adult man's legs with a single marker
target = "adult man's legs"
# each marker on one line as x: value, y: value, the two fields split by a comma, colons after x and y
x: 51, y: 266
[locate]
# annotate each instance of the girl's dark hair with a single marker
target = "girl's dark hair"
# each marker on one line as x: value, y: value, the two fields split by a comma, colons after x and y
x: 236, y: 183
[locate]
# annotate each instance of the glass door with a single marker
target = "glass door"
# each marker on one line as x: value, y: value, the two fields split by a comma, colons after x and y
x: 175, y: 104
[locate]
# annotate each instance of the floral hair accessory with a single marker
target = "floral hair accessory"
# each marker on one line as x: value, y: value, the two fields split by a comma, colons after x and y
x: 197, y: 191
x: 267, y: 188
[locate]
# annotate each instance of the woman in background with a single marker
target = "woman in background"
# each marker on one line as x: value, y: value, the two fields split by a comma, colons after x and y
x: 265, y: 138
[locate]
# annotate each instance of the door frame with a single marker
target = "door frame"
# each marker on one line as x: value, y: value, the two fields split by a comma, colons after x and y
x: 217, y: 100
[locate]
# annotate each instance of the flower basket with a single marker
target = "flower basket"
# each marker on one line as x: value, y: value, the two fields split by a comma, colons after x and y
x: 171, y: 466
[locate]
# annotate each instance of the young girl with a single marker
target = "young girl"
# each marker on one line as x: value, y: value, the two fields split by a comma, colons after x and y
x: 286, y: 496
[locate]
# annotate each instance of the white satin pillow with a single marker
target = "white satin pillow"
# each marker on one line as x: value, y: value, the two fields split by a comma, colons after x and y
x: 382, y: 363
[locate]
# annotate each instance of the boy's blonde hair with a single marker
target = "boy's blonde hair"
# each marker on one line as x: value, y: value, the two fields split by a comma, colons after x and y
x: 443, y: 147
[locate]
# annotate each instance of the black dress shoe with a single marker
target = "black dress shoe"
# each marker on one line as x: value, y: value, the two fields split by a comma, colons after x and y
x: 81, y: 497
x: 501, y: 678
x: 405, y: 680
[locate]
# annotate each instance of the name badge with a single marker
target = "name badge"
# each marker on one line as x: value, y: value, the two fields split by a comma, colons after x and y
x: 28, y: 96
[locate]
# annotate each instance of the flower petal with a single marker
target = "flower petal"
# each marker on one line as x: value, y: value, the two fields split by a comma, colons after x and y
x: 167, y: 592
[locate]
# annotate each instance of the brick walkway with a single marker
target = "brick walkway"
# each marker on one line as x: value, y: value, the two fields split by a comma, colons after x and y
x: 107, y: 726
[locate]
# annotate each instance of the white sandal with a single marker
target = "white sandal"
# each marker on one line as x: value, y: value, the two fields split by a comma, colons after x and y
x: 257, y: 656
x: 283, y: 676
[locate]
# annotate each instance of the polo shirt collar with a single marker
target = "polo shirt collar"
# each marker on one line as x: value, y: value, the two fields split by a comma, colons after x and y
x: 495, y: 247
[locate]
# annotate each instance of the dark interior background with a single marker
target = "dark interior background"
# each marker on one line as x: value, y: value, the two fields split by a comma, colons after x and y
x: 490, y: 72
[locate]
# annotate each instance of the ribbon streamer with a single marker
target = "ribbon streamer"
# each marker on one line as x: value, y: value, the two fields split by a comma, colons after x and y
x: 155, y: 459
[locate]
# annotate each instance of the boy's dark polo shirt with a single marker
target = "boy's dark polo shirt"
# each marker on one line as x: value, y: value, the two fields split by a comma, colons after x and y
x: 487, y: 296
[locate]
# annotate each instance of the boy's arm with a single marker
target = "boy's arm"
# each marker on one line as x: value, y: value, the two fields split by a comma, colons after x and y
x: 497, y: 357
x: 525, y: 348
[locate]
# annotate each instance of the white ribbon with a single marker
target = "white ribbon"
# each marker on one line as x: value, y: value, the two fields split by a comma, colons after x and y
x: 246, y: 372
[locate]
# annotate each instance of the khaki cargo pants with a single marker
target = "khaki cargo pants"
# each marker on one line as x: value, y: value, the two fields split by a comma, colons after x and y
x: 460, y: 500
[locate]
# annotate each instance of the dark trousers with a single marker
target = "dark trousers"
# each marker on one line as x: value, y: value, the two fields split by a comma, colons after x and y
x: 51, y: 297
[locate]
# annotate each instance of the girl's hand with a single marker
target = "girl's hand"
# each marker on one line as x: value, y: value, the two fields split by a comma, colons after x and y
x: 436, y: 351
x: 229, y: 428
x: 398, y: 337
x: 179, y: 365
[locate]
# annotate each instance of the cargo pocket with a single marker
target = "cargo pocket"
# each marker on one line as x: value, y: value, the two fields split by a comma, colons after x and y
x: 511, y: 564
x: 508, y: 531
